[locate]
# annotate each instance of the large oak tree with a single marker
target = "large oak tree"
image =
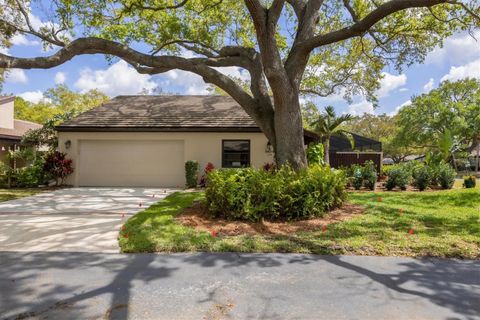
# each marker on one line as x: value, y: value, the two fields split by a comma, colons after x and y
x: 288, y: 47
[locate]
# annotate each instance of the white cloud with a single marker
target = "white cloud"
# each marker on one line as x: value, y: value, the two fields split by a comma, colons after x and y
x: 397, y: 109
x: 458, y: 49
x: 3, y: 50
x: 16, y: 76
x: 389, y: 83
x: 403, y: 89
x: 193, y: 84
x: 429, y: 85
x: 32, y: 96
x: 21, y: 40
x: 469, y: 70
x: 60, y: 78
x: 190, y: 83
x: 358, y: 109
x: 118, y: 79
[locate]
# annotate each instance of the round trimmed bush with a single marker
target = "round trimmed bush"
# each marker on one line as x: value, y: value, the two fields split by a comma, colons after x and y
x: 422, y: 177
x: 253, y: 194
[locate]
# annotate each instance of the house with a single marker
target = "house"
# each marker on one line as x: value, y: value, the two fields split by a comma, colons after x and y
x: 11, y: 130
x: 146, y: 140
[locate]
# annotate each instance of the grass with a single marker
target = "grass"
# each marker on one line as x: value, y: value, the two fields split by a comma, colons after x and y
x: 444, y: 224
x: 12, y: 194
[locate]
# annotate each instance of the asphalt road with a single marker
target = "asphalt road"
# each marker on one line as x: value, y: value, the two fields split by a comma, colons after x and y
x: 55, y: 285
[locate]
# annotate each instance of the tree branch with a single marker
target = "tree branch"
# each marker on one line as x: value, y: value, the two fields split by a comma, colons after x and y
x: 363, y: 25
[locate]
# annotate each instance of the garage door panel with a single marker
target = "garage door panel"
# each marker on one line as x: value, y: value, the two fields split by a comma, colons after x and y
x: 131, y: 163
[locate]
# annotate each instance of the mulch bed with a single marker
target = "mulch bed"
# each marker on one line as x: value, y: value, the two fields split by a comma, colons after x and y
x: 197, y: 217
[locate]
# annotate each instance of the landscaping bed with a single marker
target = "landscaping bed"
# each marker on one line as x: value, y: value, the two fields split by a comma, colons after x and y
x: 197, y: 217
x: 12, y: 194
x: 440, y: 223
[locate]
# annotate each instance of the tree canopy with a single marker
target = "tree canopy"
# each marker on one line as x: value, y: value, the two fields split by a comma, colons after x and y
x: 58, y: 100
x: 288, y: 47
x: 449, y: 112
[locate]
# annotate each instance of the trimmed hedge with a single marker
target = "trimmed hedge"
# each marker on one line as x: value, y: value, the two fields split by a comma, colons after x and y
x: 284, y: 194
x: 191, y: 173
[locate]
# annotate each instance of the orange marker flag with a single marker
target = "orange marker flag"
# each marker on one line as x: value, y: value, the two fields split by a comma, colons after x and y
x: 410, y: 231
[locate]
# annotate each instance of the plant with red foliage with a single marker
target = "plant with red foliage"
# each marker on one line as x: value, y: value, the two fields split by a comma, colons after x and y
x: 269, y: 167
x: 58, y: 166
x: 208, y: 168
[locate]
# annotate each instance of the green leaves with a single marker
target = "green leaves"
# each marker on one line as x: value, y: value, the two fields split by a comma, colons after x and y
x: 443, y: 120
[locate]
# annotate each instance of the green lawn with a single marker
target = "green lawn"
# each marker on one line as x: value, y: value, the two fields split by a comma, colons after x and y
x: 11, y: 194
x: 444, y: 223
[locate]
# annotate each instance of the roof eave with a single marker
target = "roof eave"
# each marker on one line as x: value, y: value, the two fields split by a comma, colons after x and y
x: 155, y: 129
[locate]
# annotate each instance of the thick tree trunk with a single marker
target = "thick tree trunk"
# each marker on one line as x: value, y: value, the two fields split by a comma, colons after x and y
x: 289, y: 146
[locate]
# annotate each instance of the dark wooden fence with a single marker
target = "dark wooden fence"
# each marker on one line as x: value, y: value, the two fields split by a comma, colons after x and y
x: 346, y: 159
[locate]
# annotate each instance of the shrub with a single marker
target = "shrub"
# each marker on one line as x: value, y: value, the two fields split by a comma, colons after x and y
x: 32, y: 175
x: 57, y: 166
x: 386, y: 168
x: 191, y: 173
x: 469, y: 182
x: 422, y: 177
x: 369, y: 174
x: 315, y: 154
x: 399, y: 177
x: 445, y: 175
x: 284, y: 194
x: 357, y: 179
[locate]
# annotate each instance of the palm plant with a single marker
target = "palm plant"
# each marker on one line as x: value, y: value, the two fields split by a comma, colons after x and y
x: 328, y: 124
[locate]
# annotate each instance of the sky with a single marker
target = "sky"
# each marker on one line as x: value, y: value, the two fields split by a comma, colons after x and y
x: 457, y: 59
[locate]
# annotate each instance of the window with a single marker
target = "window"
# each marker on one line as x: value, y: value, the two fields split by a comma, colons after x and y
x: 235, y: 153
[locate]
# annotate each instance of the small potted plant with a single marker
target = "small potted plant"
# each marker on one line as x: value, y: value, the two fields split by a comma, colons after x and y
x: 469, y: 181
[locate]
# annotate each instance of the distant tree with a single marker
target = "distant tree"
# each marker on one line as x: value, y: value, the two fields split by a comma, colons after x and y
x: 382, y: 128
x: 446, y: 118
x: 327, y: 124
x: 310, y: 114
x: 57, y: 101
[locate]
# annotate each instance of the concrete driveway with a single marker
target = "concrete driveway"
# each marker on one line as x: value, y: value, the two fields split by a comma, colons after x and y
x: 72, y: 220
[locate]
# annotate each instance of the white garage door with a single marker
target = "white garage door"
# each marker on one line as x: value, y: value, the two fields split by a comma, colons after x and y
x: 131, y: 163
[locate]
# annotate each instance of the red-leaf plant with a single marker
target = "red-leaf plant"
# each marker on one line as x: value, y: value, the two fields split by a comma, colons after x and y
x: 209, y: 167
x: 58, y: 166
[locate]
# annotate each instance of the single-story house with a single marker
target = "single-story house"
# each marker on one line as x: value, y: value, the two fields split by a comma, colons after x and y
x: 146, y: 140
x: 11, y: 130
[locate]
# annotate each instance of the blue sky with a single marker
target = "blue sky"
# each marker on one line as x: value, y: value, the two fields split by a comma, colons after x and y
x: 459, y: 58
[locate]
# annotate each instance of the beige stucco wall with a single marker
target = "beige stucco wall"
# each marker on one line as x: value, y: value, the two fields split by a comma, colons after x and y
x: 201, y: 146
x: 6, y: 115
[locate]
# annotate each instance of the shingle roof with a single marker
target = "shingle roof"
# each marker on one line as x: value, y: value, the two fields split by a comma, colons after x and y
x: 20, y: 127
x: 5, y: 99
x: 164, y: 113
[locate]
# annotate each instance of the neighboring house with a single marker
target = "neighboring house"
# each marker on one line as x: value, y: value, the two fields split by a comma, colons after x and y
x: 11, y: 130
x: 145, y: 140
